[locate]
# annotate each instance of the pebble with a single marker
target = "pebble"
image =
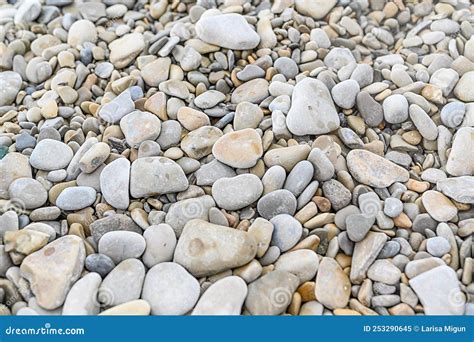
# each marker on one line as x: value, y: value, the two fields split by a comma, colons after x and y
x: 463, y: 90
x: 458, y: 188
x: 81, y: 299
x: 112, y: 223
x: 80, y: 32
x: 460, y: 164
x: 121, y: 245
x: 170, y: 289
x: 224, y: 297
x: 207, y: 249
x: 309, y: 160
x: 385, y: 272
x: 228, y: 148
x: 310, y: 113
x: 10, y: 83
x: 395, y: 109
x: 114, y: 183
x: 365, y: 253
x: 156, y: 175
x: 358, y: 225
x: 53, y: 269
x: 302, y: 263
x: 277, y: 202
x: 437, y: 246
x: 140, y: 126
x: 125, y: 49
x: 287, y: 232
x: 392, y: 207
x: 76, y: 198
x: 99, y: 263
x: 29, y: 191
x: 237, y: 192
x: 333, y: 287
x: 160, y: 244
x: 345, y: 93
x: 123, y: 284
x: 115, y: 110
x: 438, y: 206
x: 444, y: 298
x: 213, y: 29
x: 51, y: 155
x: 271, y: 294
x: 371, y: 169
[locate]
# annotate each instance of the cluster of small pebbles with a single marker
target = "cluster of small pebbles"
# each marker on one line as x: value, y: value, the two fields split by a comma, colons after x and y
x: 236, y: 157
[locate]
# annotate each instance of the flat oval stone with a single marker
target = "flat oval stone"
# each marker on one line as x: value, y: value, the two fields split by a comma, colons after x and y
x: 114, y: 183
x: 275, y: 203
x: 123, y: 284
x: 121, y: 245
x: 99, y: 263
x: 10, y: 83
x: 214, y: 29
x: 439, y: 206
x: 160, y: 244
x: 272, y: 293
x: 333, y: 287
x: 81, y: 299
x: 76, y: 198
x: 287, y: 231
x: 155, y: 176
x: 237, y: 192
x: 371, y: 169
x: 312, y: 109
x: 241, y: 149
x: 206, y: 249
x: 170, y: 289
x: 29, y: 192
x: 385, y: 272
x: 125, y: 49
x: 254, y: 91
x: 299, y: 177
x: 50, y: 155
x: 198, y: 143
x: 302, y: 263
x: 395, y: 109
x: 225, y: 297
x: 461, y: 189
x: 139, y: 126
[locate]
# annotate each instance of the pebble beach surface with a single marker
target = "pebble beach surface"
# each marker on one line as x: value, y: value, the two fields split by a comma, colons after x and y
x: 236, y: 157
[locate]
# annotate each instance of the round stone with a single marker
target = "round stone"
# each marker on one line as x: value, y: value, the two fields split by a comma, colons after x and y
x: 80, y: 32
x: 287, y: 232
x: 99, y: 263
x: 76, y: 198
x: 392, y: 207
x: 140, y: 126
x: 277, y: 202
x: 10, y: 83
x: 170, y: 289
x: 437, y: 246
x: 28, y: 192
x: 225, y: 297
x: 229, y: 149
x: 121, y: 245
x: 51, y: 155
x: 237, y: 192
x: 345, y: 93
x: 395, y: 109
x: 160, y: 244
